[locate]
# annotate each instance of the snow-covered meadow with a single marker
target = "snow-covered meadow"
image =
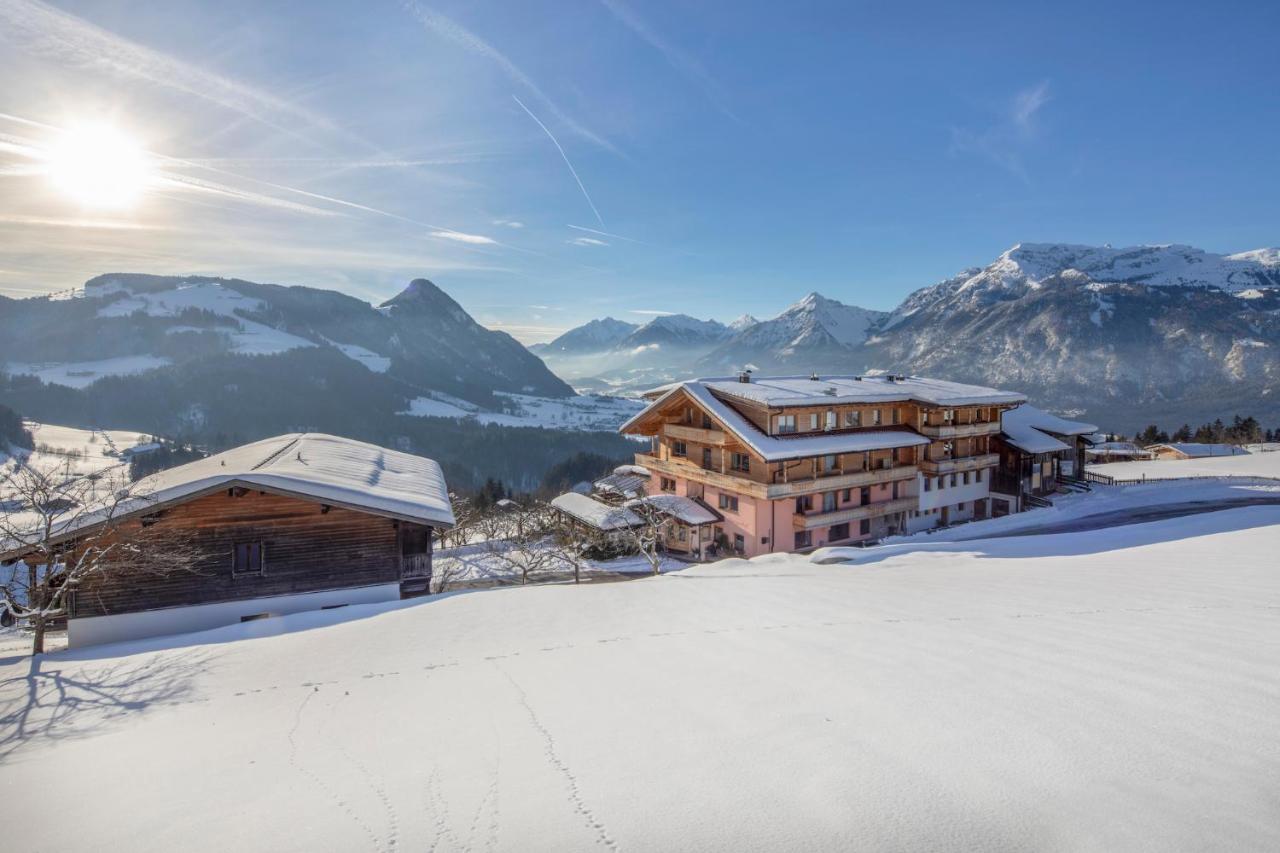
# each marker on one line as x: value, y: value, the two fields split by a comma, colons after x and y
x: 1114, y: 690
x: 585, y: 412
x: 1263, y: 461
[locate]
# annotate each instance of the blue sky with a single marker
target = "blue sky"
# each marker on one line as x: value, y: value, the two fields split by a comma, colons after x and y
x: 727, y: 157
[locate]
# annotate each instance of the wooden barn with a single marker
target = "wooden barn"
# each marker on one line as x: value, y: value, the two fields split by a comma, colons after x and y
x: 292, y: 523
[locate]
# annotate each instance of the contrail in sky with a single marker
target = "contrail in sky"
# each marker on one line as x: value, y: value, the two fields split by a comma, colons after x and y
x: 572, y: 170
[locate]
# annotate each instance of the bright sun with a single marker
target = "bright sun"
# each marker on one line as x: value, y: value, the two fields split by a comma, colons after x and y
x: 99, y: 167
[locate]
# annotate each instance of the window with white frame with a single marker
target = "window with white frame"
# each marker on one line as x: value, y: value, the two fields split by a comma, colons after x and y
x: 853, y: 418
x: 784, y: 424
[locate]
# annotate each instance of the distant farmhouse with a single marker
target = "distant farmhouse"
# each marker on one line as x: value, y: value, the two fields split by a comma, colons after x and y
x: 1193, y: 450
x: 292, y: 523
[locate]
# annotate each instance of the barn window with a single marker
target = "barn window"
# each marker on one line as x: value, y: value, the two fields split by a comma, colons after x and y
x: 247, y: 558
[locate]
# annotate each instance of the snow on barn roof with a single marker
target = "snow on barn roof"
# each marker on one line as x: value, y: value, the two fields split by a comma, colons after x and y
x: 774, y: 448
x: 324, y: 468
x: 680, y: 508
x: 1027, y: 428
x: 1197, y: 450
x: 782, y: 391
x: 595, y: 513
x: 1116, y: 448
x: 627, y: 485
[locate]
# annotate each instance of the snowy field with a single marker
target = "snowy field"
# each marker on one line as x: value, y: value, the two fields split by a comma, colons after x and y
x: 585, y: 413
x: 1259, y: 464
x: 82, y: 374
x: 81, y: 451
x: 1116, y: 690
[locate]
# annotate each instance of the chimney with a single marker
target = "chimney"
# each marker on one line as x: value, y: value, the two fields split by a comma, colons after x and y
x: 745, y: 377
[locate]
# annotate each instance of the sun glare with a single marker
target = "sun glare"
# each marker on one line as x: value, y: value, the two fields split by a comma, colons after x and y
x: 99, y: 167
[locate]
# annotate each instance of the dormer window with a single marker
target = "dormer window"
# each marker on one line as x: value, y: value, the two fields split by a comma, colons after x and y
x: 853, y: 418
x: 784, y: 424
x: 875, y: 417
x: 813, y: 420
x: 831, y: 419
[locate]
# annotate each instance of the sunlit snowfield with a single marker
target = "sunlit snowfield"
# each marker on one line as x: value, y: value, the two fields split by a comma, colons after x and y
x: 1112, y: 690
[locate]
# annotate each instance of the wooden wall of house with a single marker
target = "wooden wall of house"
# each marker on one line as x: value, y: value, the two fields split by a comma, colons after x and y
x: 305, y: 548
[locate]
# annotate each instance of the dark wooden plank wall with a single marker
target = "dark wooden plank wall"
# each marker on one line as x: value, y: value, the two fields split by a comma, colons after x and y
x: 306, y: 550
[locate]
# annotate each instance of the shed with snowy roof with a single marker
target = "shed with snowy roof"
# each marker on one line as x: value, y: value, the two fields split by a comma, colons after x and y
x: 292, y: 523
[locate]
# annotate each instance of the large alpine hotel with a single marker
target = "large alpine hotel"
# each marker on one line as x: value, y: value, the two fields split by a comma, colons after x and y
x: 799, y: 462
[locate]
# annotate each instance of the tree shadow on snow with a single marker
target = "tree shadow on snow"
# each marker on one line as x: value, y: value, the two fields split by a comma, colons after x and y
x: 54, y: 701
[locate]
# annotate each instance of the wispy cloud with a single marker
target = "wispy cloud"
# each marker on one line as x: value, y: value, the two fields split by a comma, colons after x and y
x: 459, y: 237
x: 450, y: 29
x: 605, y: 234
x: 565, y: 156
x: 651, y: 312
x: 40, y: 29
x: 509, y: 223
x: 676, y: 57
x: 1004, y: 141
x: 587, y: 241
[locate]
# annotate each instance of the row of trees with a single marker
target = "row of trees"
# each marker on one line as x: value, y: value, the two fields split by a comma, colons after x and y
x: 1246, y: 430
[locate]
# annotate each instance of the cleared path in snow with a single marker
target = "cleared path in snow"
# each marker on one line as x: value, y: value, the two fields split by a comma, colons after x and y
x: 1132, y: 515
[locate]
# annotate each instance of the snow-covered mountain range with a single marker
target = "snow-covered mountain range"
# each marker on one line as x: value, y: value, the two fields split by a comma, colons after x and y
x: 1155, y: 332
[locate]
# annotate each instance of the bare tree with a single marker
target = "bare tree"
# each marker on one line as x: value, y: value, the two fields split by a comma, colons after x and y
x: 464, y: 515
x: 68, y: 530
x: 570, y: 546
x: 520, y: 540
x: 649, y: 536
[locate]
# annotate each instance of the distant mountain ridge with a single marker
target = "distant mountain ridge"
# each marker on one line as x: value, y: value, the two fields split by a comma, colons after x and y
x: 1168, y: 331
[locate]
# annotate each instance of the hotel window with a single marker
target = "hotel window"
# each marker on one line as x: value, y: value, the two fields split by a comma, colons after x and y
x: 831, y: 418
x: 785, y: 424
x: 928, y: 484
x: 813, y: 420
x: 246, y: 558
x: 953, y: 481
x: 804, y: 503
x: 864, y: 527
x: 924, y: 417
x: 838, y: 532
x: 740, y: 462
x: 804, y: 538
x: 895, y: 415
x: 875, y: 417
x: 706, y: 458
x: 853, y: 418
x: 895, y: 490
x: 948, y: 415
x: 667, y: 484
x: 739, y: 544
x: 966, y: 478
x: 827, y: 463
x: 864, y: 495
x: 729, y: 502
x: 977, y: 476
x: 678, y: 448
x: 706, y: 421
x: 829, y: 501
x: 846, y: 495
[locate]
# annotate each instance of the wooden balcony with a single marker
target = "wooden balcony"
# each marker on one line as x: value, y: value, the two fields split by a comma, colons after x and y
x: 680, y: 432
x: 960, y: 430
x: 934, y: 467
x: 740, y: 484
x: 832, y: 482
x: 814, y: 520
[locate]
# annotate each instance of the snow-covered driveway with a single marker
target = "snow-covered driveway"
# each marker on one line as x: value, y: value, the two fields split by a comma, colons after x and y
x: 1114, y: 690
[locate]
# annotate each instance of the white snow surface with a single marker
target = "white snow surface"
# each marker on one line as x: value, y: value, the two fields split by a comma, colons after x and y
x: 1263, y: 463
x: 586, y: 413
x: 1109, y: 691
x: 598, y: 514
x: 82, y: 374
x: 826, y: 390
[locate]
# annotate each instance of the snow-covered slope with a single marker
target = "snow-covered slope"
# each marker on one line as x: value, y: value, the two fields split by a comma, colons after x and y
x: 1107, y: 691
x: 678, y: 331
x: 744, y: 321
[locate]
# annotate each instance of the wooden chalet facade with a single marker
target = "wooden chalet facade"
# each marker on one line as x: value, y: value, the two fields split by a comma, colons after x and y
x: 1039, y: 454
x: 294, y: 523
x: 792, y: 463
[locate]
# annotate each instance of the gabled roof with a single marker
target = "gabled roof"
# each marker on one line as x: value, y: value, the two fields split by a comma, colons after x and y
x: 1197, y: 450
x: 774, y: 448
x: 324, y: 468
x: 681, y: 508
x: 595, y: 513
x: 783, y: 391
x: 1031, y: 430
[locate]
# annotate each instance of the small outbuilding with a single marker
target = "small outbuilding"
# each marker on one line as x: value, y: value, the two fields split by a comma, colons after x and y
x: 1194, y: 450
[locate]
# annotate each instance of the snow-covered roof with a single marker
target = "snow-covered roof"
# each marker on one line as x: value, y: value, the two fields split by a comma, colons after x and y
x: 627, y: 485
x: 1028, y: 429
x: 782, y: 391
x: 637, y: 470
x: 681, y: 508
x: 1195, y: 449
x: 774, y: 448
x: 324, y: 468
x: 1116, y: 448
x: 595, y: 513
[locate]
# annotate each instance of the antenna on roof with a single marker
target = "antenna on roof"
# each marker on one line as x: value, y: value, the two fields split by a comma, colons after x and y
x: 813, y: 377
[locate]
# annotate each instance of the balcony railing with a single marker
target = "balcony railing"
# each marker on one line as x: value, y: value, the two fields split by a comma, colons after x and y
x: 960, y: 430
x: 742, y: 484
x: 832, y: 482
x: 810, y: 521
x: 956, y: 466
x: 689, y: 433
